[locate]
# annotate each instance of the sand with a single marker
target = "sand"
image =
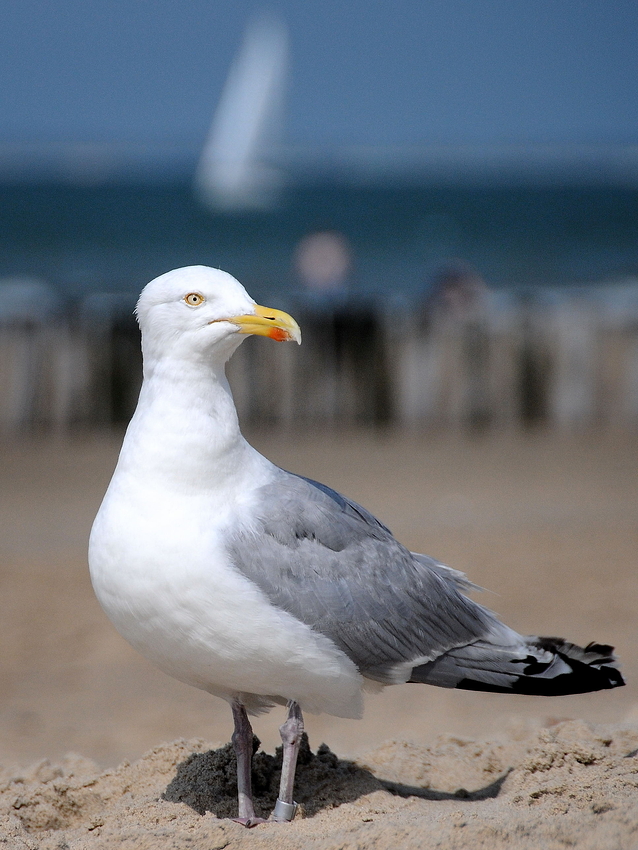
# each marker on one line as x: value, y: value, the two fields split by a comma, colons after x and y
x: 548, y: 522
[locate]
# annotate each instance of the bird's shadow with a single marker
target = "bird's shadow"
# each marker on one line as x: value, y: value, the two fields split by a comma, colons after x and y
x: 207, y: 782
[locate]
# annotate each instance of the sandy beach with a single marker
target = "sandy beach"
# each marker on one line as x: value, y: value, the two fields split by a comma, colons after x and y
x: 99, y: 749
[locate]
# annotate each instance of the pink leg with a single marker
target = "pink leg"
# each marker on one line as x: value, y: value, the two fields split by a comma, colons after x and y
x: 291, y: 733
x: 242, y: 741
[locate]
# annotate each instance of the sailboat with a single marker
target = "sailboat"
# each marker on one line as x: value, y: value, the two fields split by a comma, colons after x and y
x: 234, y: 172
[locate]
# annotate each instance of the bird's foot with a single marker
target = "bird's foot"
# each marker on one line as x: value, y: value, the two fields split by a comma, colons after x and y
x: 249, y: 822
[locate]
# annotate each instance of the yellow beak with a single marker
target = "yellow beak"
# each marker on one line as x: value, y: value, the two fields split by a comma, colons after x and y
x: 267, y: 322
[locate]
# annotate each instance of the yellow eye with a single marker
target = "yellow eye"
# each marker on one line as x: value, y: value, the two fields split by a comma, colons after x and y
x: 194, y: 299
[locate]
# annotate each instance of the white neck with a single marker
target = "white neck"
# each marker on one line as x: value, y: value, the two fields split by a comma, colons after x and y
x: 185, y: 433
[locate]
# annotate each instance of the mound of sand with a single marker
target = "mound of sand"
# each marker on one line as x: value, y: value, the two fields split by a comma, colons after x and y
x: 567, y: 785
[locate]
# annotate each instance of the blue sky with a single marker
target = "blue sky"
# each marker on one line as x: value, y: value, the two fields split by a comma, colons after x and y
x: 149, y: 72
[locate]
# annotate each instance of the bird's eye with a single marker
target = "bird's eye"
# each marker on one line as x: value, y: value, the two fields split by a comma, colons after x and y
x: 194, y: 299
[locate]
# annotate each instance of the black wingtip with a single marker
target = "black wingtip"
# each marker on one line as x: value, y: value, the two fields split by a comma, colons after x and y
x: 592, y: 668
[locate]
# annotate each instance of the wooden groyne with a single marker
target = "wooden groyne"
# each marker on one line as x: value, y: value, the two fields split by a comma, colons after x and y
x: 570, y: 363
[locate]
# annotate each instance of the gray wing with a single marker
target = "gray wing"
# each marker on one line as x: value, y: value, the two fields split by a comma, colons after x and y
x: 331, y: 564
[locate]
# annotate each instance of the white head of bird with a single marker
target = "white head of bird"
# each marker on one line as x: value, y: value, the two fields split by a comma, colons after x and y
x: 203, y: 311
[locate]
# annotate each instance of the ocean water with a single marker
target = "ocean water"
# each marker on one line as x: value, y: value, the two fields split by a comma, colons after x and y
x: 115, y: 237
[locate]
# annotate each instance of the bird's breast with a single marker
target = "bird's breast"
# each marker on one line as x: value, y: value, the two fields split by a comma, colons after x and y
x: 161, y: 572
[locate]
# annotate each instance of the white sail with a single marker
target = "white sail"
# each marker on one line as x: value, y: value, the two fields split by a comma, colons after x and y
x: 233, y: 172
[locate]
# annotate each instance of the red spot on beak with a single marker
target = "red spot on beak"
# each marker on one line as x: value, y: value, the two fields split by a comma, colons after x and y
x: 278, y: 334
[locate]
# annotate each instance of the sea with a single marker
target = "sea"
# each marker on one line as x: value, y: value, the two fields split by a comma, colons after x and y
x: 112, y: 237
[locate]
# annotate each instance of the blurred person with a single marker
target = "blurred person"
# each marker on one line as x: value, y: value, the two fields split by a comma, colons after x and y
x: 456, y: 290
x: 323, y: 261
x: 453, y: 314
x: 344, y: 340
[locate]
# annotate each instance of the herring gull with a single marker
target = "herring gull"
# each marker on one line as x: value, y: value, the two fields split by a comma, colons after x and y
x: 263, y: 587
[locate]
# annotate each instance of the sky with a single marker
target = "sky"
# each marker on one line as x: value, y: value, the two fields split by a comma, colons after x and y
x: 362, y: 72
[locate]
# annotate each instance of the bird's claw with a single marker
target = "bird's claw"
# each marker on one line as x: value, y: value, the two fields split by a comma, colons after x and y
x: 249, y: 822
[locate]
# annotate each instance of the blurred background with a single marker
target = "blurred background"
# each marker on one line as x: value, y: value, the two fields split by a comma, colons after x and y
x: 444, y: 194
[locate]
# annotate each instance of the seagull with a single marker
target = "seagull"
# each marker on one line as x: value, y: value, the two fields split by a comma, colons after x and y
x: 263, y: 587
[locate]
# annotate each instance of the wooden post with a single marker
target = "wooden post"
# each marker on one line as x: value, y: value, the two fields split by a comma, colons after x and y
x: 574, y: 352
